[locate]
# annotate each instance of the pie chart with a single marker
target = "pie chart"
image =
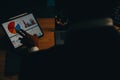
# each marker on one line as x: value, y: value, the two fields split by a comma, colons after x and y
x: 13, y: 28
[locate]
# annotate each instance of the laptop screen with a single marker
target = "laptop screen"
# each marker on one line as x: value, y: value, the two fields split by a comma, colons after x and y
x: 26, y: 22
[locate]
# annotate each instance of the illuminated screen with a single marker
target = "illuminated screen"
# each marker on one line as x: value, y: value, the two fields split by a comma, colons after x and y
x: 27, y: 23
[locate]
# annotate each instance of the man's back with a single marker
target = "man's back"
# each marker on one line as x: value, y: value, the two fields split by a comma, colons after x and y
x: 93, y: 50
x: 87, y: 53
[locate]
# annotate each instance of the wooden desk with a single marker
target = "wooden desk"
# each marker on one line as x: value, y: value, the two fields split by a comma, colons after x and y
x: 48, y: 27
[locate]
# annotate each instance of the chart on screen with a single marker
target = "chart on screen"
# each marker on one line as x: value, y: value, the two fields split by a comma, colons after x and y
x: 13, y: 28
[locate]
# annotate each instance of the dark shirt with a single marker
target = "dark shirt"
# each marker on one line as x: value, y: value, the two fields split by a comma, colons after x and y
x: 88, y: 52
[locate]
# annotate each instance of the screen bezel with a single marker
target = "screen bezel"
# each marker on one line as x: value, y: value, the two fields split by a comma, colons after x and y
x: 10, y: 45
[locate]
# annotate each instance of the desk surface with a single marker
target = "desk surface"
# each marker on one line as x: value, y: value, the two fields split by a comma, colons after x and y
x: 48, y: 27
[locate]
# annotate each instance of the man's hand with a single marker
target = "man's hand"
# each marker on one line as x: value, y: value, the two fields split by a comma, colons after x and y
x: 28, y: 40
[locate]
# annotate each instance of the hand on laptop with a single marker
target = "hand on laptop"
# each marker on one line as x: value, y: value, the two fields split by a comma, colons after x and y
x: 28, y: 40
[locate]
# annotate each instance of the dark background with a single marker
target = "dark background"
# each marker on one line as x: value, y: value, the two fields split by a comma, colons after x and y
x: 76, y: 9
x: 11, y: 8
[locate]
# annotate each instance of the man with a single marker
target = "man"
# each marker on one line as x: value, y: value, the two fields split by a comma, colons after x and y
x: 90, y: 52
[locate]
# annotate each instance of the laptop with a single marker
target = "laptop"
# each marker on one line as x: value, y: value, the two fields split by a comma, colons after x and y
x: 25, y: 21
